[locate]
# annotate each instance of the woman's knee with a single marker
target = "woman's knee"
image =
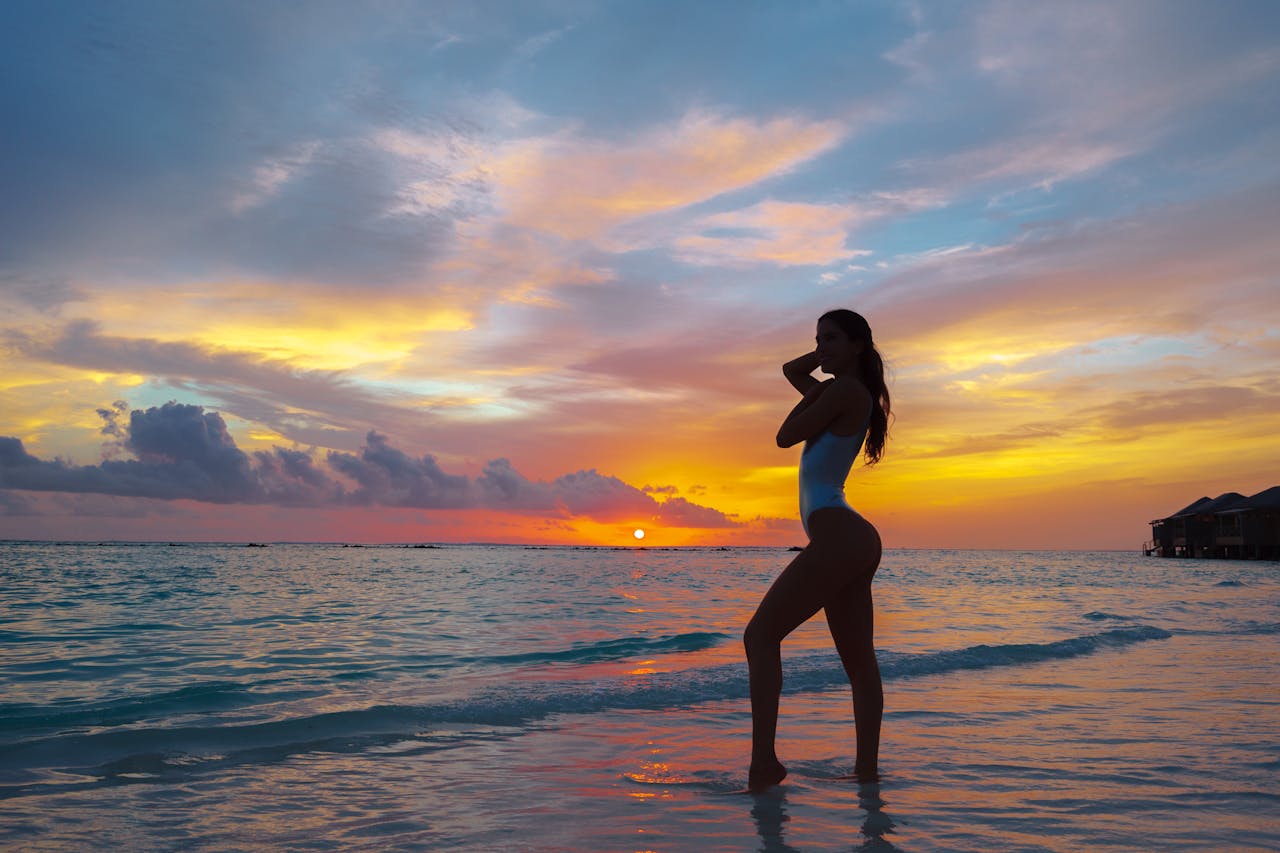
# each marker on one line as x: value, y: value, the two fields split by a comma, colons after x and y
x: 756, y: 637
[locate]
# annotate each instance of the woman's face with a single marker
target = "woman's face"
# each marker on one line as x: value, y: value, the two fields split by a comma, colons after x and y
x: 837, y: 352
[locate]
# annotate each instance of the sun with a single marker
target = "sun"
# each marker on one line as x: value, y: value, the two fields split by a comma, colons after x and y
x: 639, y: 534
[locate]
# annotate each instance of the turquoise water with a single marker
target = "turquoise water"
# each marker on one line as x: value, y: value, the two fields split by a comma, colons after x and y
x: 506, y: 698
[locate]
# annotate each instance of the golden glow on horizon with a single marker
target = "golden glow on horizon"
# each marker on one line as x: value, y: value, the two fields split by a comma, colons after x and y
x: 323, y: 331
x: 958, y: 458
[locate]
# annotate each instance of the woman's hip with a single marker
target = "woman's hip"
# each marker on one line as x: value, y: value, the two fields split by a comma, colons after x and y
x: 840, y: 528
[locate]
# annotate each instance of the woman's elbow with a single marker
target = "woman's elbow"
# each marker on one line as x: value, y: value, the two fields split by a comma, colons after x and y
x: 785, y: 440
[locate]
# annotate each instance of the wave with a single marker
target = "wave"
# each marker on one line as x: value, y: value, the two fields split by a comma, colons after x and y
x: 203, y: 698
x: 619, y: 648
x: 1240, y: 629
x: 125, y: 754
x: 213, y: 696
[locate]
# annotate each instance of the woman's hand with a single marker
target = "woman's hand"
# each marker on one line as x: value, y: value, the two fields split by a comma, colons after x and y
x: 798, y: 372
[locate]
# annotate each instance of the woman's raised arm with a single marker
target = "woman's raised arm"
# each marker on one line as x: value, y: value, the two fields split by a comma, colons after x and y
x: 798, y: 372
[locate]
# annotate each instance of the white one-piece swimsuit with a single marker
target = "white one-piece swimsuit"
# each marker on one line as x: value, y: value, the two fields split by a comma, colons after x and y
x: 824, y: 466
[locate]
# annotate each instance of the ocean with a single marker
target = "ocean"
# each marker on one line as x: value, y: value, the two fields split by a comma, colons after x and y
x: 509, y: 698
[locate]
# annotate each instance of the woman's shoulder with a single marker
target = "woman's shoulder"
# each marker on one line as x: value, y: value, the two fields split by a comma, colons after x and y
x: 853, y: 398
x: 849, y: 386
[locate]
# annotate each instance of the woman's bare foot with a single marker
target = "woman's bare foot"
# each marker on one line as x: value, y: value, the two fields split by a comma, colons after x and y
x: 866, y: 775
x: 765, y: 775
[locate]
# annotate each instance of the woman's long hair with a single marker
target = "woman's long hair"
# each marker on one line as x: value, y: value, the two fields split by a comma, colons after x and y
x: 871, y: 373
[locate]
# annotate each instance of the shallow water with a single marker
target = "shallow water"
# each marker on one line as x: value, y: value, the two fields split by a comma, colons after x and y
x: 506, y: 698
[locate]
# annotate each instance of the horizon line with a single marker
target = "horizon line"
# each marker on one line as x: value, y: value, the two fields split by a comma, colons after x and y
x: 444, y: 544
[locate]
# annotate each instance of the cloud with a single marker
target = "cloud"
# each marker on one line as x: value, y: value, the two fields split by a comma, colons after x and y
x: 771, y: 232
x: 291, y: 478
x: 183, y: 452
x: 1047, y: 160
x: 606, y: 496
x: 678, y: 512
x: 45, y: 295
x: 445, y: 170
x: 265, y: 390
x: 538, y: 43
x: 237, y: 140
x: 579, y: 188
x: 1066, y: 91
x: 390, y: 477
x: 12, y: 504
x: 503, y: 487
x: 88, y: 505
x: 1022, y: 436
x: 1185, y: 405
x: 269, y: 177
x: 1162, y: 272
x: 592, y: 493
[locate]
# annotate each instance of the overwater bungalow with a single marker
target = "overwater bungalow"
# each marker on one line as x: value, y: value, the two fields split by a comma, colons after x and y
x: 1230, y: 526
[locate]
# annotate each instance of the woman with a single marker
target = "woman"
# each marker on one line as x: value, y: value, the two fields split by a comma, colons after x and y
x: 836, y: 419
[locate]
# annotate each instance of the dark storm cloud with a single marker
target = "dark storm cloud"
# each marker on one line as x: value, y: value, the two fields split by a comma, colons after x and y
x: 391, y: 477
x: 291, y: 478
x: 182, y: 451
x: 501, y: 486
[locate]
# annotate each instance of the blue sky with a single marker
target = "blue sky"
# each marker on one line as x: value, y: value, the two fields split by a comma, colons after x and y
x: 581, y: 237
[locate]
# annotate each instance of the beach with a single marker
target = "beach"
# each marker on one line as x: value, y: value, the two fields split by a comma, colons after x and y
x: 483, y: 697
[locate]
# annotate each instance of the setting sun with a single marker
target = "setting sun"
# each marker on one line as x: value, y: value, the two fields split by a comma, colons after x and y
x: 639, y: 534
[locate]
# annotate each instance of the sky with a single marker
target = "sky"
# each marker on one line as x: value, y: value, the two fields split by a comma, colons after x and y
x: 528, y: 271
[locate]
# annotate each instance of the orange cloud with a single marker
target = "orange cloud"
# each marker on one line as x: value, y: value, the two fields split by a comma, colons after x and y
x: 579, y: 188
x: 772, y: 232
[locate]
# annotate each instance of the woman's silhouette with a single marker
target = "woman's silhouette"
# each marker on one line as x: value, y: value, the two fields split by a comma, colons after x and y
x: 836, y: 419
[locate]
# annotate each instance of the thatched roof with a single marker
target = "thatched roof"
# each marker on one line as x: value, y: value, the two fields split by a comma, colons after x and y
x: 1230, y: 502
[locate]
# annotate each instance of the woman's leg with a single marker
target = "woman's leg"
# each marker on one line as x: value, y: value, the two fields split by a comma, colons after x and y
x: 796, y: 595
x: 851, y: 620
x: 814, y: 578
x: 850, y: 617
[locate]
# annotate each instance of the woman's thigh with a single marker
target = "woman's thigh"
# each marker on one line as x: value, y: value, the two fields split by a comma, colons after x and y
x: 844, y: 550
